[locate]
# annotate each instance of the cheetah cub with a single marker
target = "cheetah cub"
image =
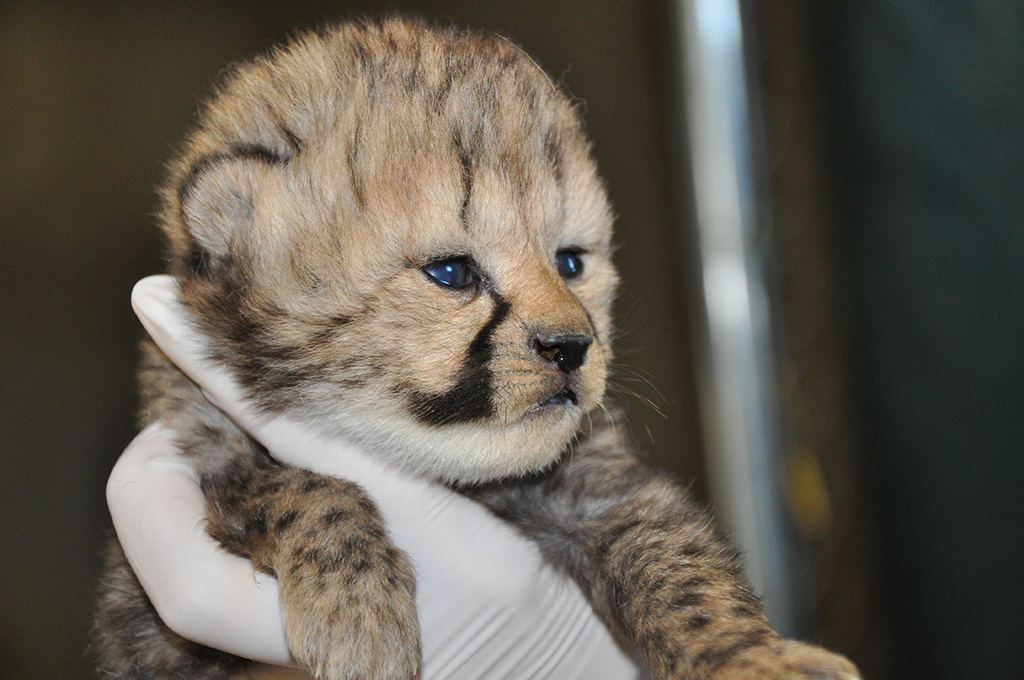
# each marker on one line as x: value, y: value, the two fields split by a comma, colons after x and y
x: 397, y: 233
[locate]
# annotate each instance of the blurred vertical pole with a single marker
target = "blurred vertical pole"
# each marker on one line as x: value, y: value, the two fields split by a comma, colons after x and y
x: 736, y: 372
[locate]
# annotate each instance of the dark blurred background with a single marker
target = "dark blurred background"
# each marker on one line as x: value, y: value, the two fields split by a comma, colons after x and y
x: 893, y: 159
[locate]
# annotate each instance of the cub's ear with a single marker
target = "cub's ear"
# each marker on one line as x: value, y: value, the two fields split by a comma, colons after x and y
x: 219, y: 200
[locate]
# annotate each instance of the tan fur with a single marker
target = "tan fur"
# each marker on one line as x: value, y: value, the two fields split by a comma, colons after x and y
x: 321, y: 236
x: 304, y: 218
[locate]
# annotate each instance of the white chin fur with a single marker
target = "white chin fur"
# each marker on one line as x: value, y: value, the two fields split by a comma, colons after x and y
x: 471, y: 452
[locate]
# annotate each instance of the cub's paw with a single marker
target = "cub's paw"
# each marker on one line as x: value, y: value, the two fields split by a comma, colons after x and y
x: 786, y: 660
x: 369, y: 632
x: 347, y: 593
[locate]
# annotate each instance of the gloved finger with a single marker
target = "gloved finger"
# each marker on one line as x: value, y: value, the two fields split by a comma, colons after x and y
x: 200, y: 591
x: 155, y: 301
x: 480, y: 620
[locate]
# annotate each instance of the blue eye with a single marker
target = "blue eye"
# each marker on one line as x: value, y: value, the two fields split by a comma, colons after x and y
x: 569, y: 263
x: 454, y: 272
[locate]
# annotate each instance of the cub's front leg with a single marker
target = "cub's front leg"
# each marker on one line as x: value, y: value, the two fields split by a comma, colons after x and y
x: 653, y: 568
x: 347, y: 594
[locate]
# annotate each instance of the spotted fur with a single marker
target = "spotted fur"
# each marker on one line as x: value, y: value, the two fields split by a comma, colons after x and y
x: 304, y: 217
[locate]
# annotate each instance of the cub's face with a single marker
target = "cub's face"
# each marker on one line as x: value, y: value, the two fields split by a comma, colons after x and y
x: 398, y: 234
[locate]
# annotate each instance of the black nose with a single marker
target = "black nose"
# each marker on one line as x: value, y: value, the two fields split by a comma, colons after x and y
x: 567, y: 351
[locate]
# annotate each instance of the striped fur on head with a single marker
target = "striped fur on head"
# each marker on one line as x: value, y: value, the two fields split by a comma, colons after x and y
x: 324, y: 178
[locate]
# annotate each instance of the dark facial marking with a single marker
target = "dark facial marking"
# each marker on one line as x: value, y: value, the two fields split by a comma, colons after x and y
x: 327, y: 329
x: 242, y: 151
x: 270, y: 368
x: 470, y: 398
x: 467, y: 178
x: 449, y: 78
x: 553, y: 151
x: 362, y: 54
x: 352, y: 160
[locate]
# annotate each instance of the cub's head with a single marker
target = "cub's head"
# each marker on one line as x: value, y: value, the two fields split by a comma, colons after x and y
x: 397, y: 233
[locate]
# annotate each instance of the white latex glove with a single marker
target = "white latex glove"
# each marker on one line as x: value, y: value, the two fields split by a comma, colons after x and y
x: 488, y: 606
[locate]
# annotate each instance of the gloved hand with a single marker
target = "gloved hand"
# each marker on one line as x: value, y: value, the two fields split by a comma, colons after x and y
x: 488, y: 606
